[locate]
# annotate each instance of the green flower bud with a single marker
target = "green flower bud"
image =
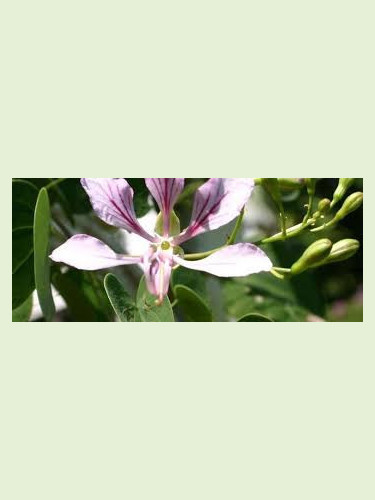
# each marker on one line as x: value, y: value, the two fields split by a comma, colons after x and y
x: 324, y: 206
x: 291, y: 184
x: 315, y: 254
x: 343, y: 250
x: 174, y: 225
x: 344, y: 185
x: 352, y: 203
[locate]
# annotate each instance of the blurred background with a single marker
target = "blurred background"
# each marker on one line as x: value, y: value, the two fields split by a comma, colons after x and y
x: 330, y: 293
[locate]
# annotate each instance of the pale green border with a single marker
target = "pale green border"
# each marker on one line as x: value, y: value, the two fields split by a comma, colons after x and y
x: 181, y: 412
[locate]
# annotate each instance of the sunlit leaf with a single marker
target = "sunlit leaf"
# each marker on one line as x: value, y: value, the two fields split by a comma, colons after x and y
x: 148, y: 309
x: 121, y: 301
x: 42, y: 263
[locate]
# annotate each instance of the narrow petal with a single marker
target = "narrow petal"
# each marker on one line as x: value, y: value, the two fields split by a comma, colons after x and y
x: 165, y: 193
x: 89, y: 254
x: 158, y: 269
x: 238, y: 260
x: 216, y: 203
x: 112, y: 200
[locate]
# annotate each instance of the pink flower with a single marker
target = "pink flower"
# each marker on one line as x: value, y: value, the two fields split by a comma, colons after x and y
x: 217, y: 202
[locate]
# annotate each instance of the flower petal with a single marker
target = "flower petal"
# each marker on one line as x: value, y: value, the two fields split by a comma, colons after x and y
x: 216, y: 203
x: 89, y: 254
x: 112, y: 200
x: 233, y: 261
x: 165, y: 193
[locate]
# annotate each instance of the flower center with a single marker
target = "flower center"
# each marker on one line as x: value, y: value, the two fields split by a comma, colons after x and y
x: 165, y: 245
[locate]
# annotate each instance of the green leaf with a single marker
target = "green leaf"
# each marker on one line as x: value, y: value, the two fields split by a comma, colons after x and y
x: 240, y: 300
x: 73, y: 288
x: 42, y: 265
x: 196, y: 281
x: 121, y: 301
x: 24, y: 195
x: 269, y: 285
x: 255, y: 318
x: 148, y: 310
x: 23, y: 283
x: 191, y: 305
x: 74, y: 196
x: 23, y: 312
x: 141, y: 195
x: 22, y: 247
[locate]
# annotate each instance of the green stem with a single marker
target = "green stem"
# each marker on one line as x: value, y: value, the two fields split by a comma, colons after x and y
x: 231, y: 240
x: 203, y: 255
x: 290, y: 233
x: 55, y: 183
x: 282, y: 270
x: 323, y: 227
x: 283, y: 219
x: 311, y: 187
x: 233, y: 237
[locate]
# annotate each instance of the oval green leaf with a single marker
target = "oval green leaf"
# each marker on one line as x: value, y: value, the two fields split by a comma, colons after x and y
x: 42, y: 265
x: 23, y: 312
x: 121, y: 301
x: 192, y: 306
x: 148, y: 310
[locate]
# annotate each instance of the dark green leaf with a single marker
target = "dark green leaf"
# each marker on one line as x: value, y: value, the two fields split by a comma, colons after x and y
x: 141, y: 195
x: 148, y: 310
x: 121, y: 301
x: 255, y: 318
x: 24, y: 195
x: 240, y: 300
x: 195, y: 281
x: 191, y: 305
x: 74, y: 196
x: 269, y: 285
x: 23, y: 283
x: 72, y: 287
x: 23, y: 312
x: 22, y: 247
x: 42, y: 263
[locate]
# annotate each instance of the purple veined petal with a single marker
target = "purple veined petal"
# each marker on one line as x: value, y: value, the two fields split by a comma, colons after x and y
x: 238, y: 260
x: 112, y: 200
x: 158, y: 269
x: 165, y: 193
x: 89, y: 254
x: 217, y: 203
